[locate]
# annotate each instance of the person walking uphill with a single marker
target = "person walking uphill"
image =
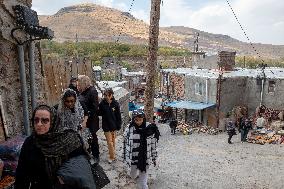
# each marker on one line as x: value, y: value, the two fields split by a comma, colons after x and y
x: 89, y: 99
x: 70, y: 113
x: 109, y: 109
x: 140, y: 147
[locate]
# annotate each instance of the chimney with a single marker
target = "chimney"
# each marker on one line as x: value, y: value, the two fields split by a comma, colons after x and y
x: 226, y: 60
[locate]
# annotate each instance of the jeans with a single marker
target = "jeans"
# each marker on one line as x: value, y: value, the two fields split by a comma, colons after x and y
x: 244, y: 134
x: 110, y: 138
x: 142, y: 177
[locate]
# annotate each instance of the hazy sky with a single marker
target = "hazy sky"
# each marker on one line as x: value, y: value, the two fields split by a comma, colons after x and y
x: 263, y: 20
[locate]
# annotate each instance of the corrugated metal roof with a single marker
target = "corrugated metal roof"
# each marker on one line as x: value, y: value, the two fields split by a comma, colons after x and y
x: 190, y: 105
x: 140, y: 73
x: 110, y: 84
x: 270, y: 72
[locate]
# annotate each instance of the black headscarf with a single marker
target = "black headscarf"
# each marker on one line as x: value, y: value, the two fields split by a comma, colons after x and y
x: 55, y: 146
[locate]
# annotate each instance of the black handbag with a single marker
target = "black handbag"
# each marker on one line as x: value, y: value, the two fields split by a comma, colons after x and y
x: 100, y: 177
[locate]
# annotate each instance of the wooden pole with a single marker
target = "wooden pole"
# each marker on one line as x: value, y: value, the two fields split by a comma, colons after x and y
x: 219, y: 82
x: 151, y: 66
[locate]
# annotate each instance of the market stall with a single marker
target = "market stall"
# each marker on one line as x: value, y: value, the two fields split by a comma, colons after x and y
x: 266, y: 136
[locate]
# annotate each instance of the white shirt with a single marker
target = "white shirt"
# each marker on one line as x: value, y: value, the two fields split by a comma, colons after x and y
x: 260, y: 122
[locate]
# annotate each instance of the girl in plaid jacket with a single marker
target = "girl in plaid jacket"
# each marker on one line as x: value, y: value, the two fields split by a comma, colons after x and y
x: 140, y: 147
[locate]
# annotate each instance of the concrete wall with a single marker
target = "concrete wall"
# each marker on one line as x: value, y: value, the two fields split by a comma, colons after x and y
x: 190, y: 82
x: 233, y: 93
x: 272, y: 100
x: 209, y: 62
x: 9, y: 70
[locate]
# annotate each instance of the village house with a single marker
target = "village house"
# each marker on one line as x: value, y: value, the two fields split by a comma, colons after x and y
x: 207, y: 94
x: 136, y: 81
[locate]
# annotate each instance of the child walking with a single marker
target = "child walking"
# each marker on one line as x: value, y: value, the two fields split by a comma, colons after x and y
x: 231, y: 130
x: 140, y: 142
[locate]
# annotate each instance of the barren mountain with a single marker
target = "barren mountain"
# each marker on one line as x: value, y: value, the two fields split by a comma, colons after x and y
x: 92, y: 22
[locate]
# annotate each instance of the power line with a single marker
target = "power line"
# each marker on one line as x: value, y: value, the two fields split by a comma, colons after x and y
x: 243, y: 30
x: 123, y: 25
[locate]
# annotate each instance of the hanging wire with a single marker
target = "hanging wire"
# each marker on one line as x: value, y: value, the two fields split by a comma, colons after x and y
x: 244, y: 30
x: 123, y: 25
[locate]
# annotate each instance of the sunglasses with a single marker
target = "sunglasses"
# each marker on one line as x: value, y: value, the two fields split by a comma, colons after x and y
x: 42, y: 120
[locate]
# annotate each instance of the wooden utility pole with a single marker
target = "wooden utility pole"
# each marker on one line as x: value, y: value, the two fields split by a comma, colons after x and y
x: 151, y: 66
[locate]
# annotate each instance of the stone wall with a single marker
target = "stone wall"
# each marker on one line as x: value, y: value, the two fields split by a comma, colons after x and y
x: 10, y: 90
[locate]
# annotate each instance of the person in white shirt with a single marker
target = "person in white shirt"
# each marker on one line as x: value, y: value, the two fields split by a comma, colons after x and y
x: 260, y: 122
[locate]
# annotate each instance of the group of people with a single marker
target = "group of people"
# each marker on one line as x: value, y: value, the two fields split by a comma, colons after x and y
x: 47, y: 156
x: 244, y: 126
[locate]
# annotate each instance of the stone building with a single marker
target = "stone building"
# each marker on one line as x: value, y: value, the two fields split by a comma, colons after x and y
x: 135, y: 80
x: 240, y: 87
x: 11, y: 101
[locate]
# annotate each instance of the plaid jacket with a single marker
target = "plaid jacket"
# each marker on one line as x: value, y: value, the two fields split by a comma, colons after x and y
x: 131, y: 145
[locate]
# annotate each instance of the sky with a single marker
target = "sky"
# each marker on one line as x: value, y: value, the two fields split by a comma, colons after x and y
x: 262, y: 20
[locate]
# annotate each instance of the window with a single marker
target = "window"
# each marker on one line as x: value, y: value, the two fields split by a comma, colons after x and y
x: 271, y: 86
x: 198, y: 88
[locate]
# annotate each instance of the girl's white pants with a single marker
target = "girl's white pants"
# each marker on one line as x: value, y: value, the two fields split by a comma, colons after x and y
x: 142, y: 177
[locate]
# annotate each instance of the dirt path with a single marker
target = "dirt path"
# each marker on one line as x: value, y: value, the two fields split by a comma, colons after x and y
x: 204, y: 161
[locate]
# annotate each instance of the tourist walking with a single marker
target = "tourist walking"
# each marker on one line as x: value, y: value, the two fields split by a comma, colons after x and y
x: 44, y: 154
x: 140, y: 147
x: 89, y: 98
x: 109, y: 109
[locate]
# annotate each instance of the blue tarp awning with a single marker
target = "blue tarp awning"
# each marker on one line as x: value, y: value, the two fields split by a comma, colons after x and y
x: 190, y: 105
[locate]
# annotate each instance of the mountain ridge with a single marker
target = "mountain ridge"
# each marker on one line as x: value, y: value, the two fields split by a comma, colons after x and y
x: 97, y: 23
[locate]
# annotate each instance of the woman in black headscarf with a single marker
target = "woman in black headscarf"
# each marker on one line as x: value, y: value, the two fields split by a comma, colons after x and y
x: 44, y: 152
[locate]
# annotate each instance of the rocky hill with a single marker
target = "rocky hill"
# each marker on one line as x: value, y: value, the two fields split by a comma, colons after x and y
x: 92, y: 22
